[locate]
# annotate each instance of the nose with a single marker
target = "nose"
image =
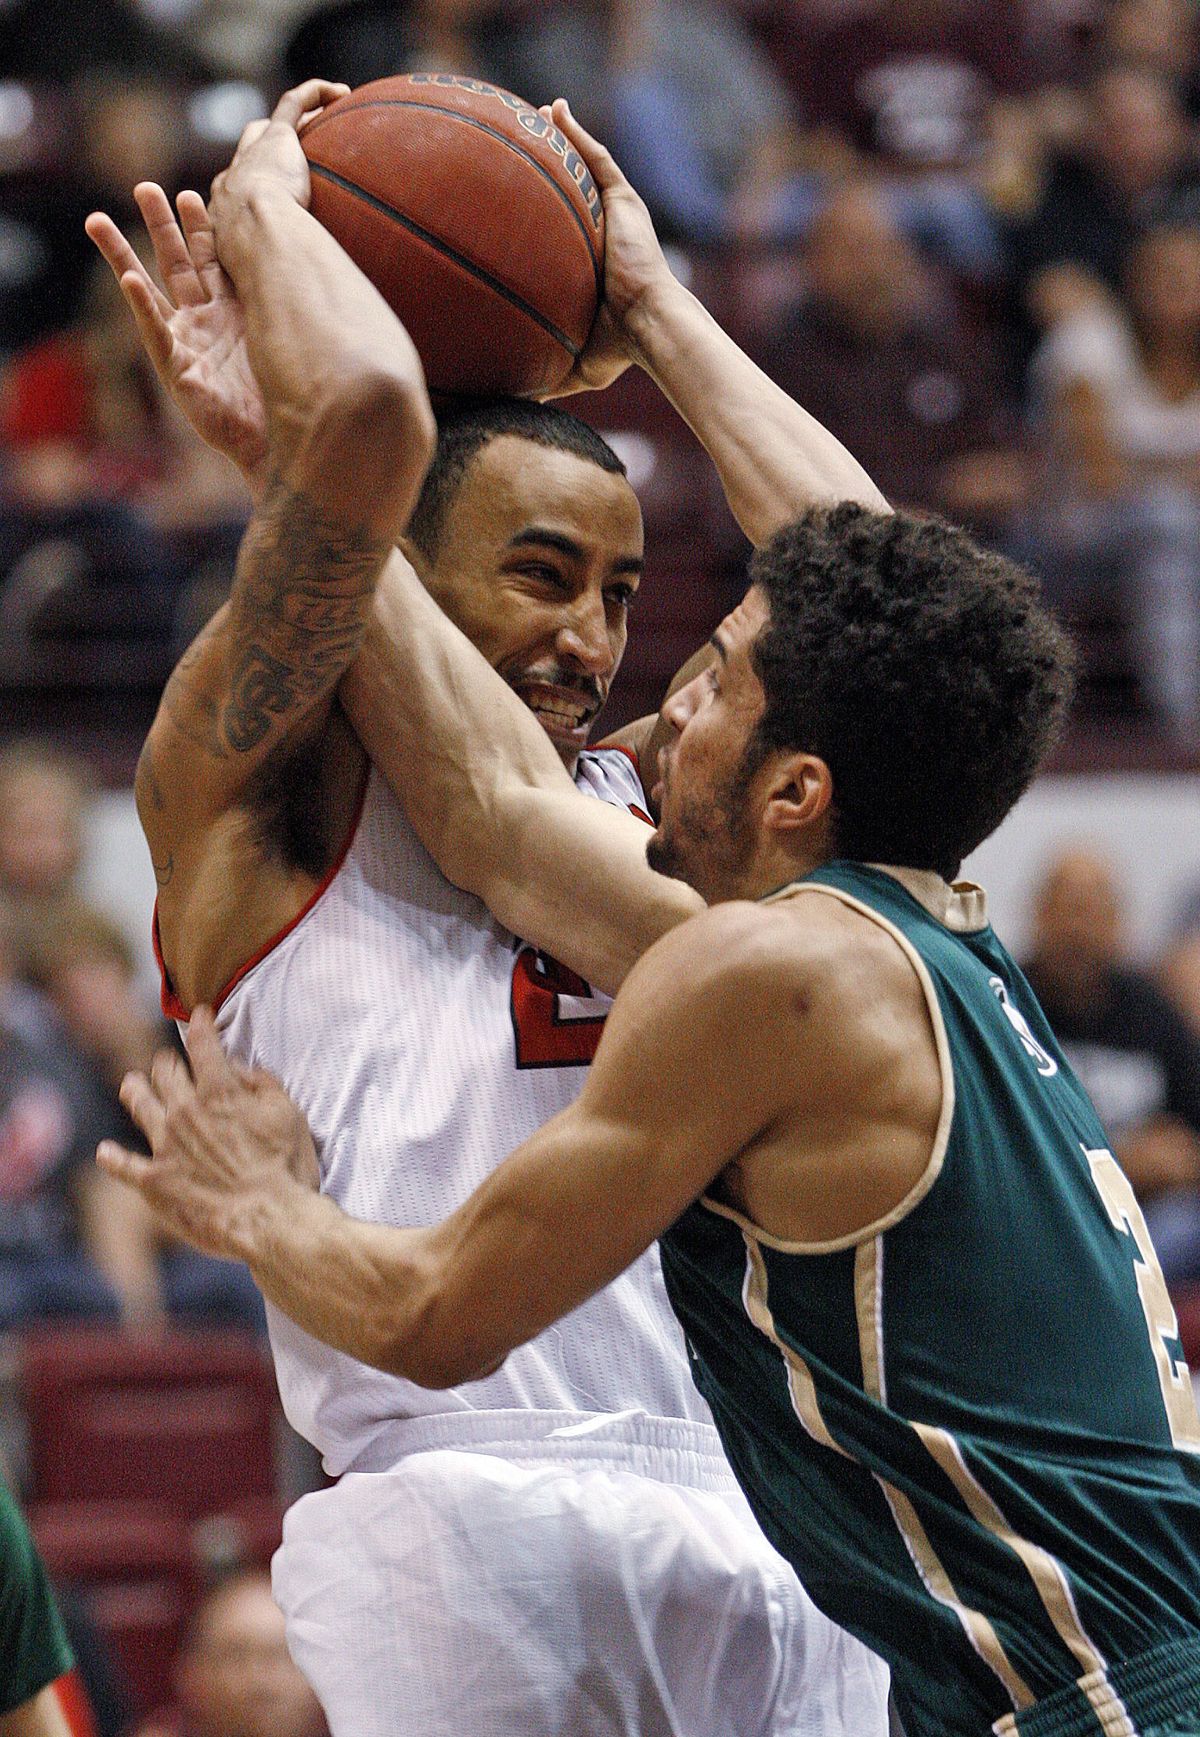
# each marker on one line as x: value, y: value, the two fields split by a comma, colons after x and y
x: 584, y: 637
x: 678, y: 707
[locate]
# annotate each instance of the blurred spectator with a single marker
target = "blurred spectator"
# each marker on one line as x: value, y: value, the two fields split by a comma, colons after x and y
x: 83, y: 963
x: 1133, y: 1053
x: 879, y: 351
x: 1133, y: 162
x: 110, y: 507
x: 51, y: 1117
x: 1159, y: 36
x: 55, y: 40
x: 1119, y: 385
x: 1179, y: 967
x: 689, y: 103
x: 44, y: 793
x: 109, y: 129
x: 909, y: 83
x: 234, y: 1675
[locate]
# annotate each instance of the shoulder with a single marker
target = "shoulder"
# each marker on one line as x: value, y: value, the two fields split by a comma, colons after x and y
x: 810, y: 951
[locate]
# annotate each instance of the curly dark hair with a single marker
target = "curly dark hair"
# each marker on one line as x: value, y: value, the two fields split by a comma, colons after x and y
x: 468, y: 427
x: 925, y: 671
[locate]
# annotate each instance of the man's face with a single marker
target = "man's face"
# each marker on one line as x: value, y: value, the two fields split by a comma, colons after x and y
x: 707, y: 834
x: 540, y: 555
x: 237, y: 1679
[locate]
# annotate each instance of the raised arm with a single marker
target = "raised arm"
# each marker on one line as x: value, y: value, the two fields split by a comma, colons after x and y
x: 348, y: 433
x: 775, y: 460
x: 492, y: 801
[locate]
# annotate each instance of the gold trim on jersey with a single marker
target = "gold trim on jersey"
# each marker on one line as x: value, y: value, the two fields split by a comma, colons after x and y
x: 1043, y: 1569
x: 960, y: 906
x: 799, y: 1377
x: 941, y: 1138
x: 1112, y: 1714
x: 938, y: 1584
x: 807, y: 1407
x: 1049, y: 1579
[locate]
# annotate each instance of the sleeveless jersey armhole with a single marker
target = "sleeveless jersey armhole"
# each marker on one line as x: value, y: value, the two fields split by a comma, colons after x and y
x: 174, y: 1008
x: 941, y: 1137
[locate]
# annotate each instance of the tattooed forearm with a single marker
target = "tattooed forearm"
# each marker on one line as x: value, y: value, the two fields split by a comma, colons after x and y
x: 164, y: 872
x: 299, y: 611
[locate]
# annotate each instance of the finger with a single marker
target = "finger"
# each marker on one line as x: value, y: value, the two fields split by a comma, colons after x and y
x: 202, y: 243
x: 314, y: 93
x: 210, y: 1064
x: 170, y: 249
x: 254, y: 131
x: 120, y: 256
x: 599, y: 159
x: 131, y: 1167
x: 170, y: 1077
x: 147, y: 304
x: 144, y: 1105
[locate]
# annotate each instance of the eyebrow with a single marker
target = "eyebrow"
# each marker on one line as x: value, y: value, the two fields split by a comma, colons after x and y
x: 718, y: 646
x: 543, y: 537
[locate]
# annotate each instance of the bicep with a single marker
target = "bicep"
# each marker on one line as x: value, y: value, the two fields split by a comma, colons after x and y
x: 678, y: 1088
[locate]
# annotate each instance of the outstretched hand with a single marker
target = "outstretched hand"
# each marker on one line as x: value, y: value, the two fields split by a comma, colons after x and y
x: 222, y: 1139
x: 635, y: 268
x: 194, y: 331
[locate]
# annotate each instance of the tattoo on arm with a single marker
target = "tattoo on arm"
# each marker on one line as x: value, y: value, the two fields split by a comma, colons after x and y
x: 298, y: 614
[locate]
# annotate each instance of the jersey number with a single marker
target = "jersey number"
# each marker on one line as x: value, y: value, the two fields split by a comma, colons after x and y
x: 557, y: 1020
x: 1126, y: 1215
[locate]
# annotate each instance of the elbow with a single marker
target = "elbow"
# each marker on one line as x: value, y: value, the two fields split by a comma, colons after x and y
x: 369, y: 432
x: 434, y: 1346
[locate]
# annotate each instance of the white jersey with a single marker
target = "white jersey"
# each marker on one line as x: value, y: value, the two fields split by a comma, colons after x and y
x: 423, y: 1043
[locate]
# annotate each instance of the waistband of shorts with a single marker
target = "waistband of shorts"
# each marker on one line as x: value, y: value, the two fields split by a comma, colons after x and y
x: 1152, y: 1688
x: 676, y: 1450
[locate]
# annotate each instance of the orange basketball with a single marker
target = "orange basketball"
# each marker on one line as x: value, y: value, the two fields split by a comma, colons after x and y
x: 476, y: 220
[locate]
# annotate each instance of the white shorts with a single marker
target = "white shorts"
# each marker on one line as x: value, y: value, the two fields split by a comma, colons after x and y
x: 519, y: 1584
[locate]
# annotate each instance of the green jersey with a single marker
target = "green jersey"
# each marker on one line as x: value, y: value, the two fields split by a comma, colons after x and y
x: 33, y: 1642
x: 970, y: 1426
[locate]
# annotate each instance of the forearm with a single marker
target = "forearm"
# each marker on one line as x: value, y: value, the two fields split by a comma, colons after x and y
x: 368, y: 1290
x: 322, y: 342
x: 490, y: 799
x: 775, y: 461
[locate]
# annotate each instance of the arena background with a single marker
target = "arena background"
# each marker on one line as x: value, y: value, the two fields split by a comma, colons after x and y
x: 964, y: 233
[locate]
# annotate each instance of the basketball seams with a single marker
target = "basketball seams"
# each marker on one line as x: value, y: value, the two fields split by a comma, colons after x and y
x: 480, y: 273
x: 515, y: 145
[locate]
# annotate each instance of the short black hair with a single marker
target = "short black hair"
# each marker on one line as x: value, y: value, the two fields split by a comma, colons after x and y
x: 924, y: 670
x: 466, y: 428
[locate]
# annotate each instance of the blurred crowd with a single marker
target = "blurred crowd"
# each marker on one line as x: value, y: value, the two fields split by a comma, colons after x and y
x: 967, y: 236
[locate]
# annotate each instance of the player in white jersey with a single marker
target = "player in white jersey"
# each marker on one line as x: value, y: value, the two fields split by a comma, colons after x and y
x: 557, y: 1548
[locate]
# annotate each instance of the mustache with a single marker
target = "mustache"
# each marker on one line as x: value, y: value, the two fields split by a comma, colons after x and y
x: 571, y: 681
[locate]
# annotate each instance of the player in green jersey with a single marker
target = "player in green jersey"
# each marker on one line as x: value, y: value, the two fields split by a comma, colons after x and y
x: 34, y: 1651
x: 916, y: 1286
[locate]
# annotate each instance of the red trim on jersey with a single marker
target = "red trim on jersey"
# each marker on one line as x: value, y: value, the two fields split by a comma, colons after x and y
x: 620, y: 748
x: 174, y: 1008
x: 76, y: 1708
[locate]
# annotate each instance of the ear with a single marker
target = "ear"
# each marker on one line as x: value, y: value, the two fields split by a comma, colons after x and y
x: 798, y: 795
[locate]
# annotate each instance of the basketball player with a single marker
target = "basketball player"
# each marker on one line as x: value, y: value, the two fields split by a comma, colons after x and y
x: 34, y: 1650
x: 558, y: 1548
x: 917, y: 1288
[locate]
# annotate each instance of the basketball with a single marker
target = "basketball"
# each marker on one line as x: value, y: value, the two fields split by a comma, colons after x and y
x: 475, y: 219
